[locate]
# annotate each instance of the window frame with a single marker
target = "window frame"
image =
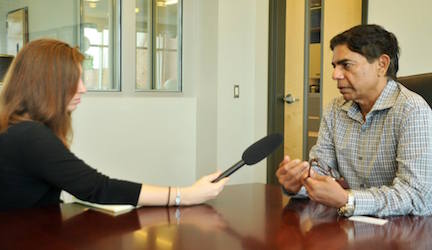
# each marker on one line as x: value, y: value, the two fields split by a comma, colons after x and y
x: 115, y: 62
x: 154, y: 49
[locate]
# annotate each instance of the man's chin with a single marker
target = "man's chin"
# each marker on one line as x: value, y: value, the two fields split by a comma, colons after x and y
x: 347, y: 96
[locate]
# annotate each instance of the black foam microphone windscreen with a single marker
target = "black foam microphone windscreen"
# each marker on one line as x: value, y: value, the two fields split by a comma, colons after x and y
x: 254, y: 153
x: 261, y: 149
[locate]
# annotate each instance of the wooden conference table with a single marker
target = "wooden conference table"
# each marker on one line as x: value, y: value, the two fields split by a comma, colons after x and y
x: 249, y: 216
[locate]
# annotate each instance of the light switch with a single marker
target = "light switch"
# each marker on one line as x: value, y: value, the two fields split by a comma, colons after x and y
x: 236, y: 91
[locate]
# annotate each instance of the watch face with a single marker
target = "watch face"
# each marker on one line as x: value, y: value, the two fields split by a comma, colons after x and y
x: 340, y: 211
x: 345, y: 211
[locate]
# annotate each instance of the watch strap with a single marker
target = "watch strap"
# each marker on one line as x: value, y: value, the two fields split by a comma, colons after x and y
x: 348, y: 209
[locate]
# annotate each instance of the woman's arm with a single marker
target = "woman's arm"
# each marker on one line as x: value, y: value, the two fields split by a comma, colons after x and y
x: 199, y: 192
x: 47, y: 159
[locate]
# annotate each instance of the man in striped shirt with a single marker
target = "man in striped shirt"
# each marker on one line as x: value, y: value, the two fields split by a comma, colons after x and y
x: 376, y: 139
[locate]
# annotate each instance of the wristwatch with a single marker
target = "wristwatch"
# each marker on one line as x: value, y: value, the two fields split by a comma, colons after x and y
x: 178, y: 197
x: 348, y: 209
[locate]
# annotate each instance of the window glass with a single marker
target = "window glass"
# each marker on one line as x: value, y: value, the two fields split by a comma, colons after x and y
x: 158, y: 45
x: 99, y: 31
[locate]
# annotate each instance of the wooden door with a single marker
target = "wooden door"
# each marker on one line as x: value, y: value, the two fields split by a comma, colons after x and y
x: 294, y: 74
x: 338, y: 15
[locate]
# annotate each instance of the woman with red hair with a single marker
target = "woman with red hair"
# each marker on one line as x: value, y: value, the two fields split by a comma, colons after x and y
x: 42, y: 87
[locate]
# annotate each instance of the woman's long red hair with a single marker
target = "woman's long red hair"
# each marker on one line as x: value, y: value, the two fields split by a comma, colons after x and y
x: 40, y: 83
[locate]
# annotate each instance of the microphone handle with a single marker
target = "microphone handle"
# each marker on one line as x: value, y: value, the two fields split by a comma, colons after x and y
x: 229, y: 171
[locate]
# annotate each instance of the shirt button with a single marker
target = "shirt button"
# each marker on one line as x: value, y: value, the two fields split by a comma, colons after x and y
x: 360, y: 158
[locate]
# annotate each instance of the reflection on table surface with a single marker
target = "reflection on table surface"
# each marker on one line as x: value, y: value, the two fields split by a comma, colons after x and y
x: 249, y: 216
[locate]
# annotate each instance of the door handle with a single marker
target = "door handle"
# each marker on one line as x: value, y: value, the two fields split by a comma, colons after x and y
x: 290, y: 99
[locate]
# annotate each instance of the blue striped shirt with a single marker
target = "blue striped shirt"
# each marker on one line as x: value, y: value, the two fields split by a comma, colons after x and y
x: 386, y: 158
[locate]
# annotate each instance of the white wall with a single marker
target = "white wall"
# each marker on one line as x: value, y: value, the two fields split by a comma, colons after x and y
x: 411, y: 22
x: 224, y: 43
x: 162, y: 123
x: 150, y: 140
x: 202, y: 48
x: 260, y: 81
x: 174, y: 138
x: 242, y: 60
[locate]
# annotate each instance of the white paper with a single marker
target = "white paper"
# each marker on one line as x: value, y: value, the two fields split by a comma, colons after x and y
x: 114, y: 209
x: 367, y: 219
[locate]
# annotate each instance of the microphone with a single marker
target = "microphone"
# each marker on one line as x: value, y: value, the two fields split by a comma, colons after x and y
x: 254, y: 153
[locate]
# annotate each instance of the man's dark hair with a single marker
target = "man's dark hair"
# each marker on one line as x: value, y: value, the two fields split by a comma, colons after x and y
x: 371, y: 41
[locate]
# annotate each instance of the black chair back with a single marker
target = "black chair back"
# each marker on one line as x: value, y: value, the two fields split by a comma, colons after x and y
x: 420, y: 84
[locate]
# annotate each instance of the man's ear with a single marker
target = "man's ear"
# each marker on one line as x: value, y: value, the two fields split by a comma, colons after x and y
x: 383, y: 64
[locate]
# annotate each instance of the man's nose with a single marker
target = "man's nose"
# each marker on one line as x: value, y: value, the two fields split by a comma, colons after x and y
x: 337, y: 73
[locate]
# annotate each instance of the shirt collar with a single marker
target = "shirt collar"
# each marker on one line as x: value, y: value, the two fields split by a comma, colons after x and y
x: 388, y: 96
x: 386, y: 99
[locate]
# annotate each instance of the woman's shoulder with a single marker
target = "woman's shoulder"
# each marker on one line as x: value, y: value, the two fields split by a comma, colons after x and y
x: 29, y: 129
x: 25, y: 136
x: 34, y: 140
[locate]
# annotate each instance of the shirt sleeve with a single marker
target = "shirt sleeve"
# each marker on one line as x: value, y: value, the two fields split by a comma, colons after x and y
x: 324, y: 149
x: 411, y: 190
x: 48, y: 159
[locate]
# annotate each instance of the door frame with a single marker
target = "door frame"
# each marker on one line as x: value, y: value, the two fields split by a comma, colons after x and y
x: 276, y: 81
x: 276, y: 78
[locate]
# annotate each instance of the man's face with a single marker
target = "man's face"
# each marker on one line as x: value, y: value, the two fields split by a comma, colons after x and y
x: 357, y: 79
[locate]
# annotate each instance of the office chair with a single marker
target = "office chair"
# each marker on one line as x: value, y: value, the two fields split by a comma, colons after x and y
x: 420, y: 84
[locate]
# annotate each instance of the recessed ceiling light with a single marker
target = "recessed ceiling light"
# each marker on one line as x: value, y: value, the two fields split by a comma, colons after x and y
x: 160, y: 3
x: 170, y: 2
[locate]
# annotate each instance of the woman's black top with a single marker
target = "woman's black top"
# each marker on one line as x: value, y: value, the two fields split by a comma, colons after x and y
x: 35, y: 166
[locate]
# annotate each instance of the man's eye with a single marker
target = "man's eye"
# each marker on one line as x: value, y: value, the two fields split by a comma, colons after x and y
x: 346, y: 65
